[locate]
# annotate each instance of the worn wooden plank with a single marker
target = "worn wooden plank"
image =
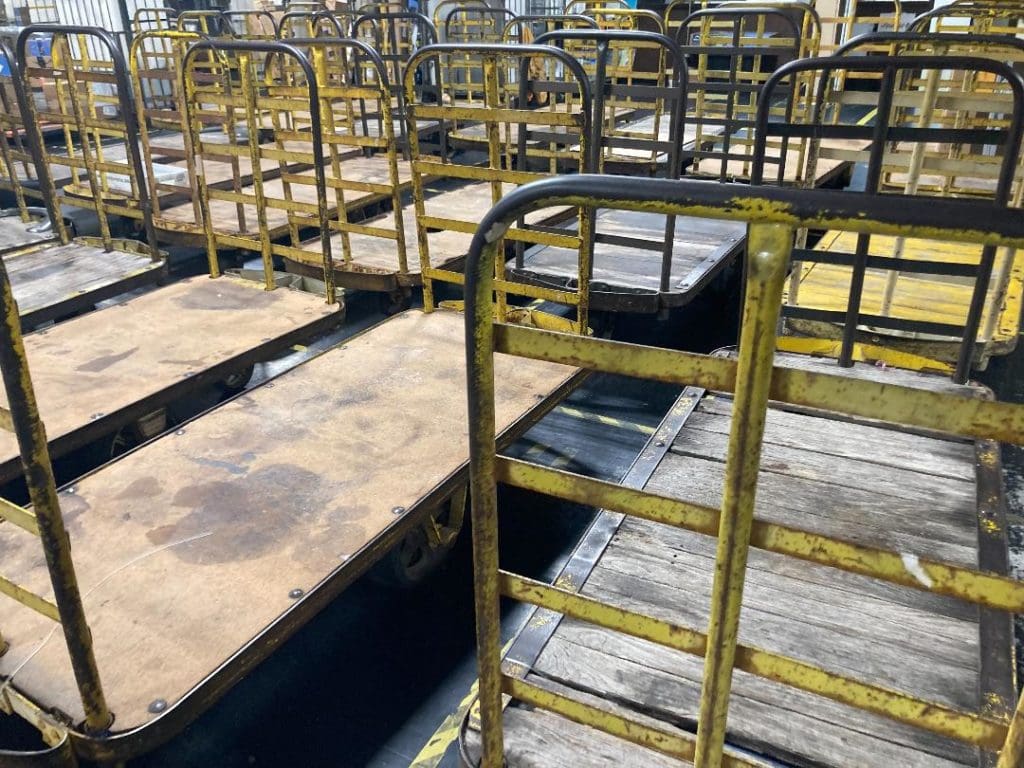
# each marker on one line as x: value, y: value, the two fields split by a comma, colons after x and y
x: 800, y: 728
x: 539, y: 739
x: 49, y: 276
x: 880, y: 445
x: 834, y: 579
x: 89, y: 370
x: 910, y: 649
x: 840, y: 471
x: 876, y: 373
x: 188, y: 548
x: 855, y: 515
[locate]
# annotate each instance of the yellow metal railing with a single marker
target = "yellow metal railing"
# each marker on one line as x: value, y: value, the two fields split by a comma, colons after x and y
x: 774, y: 215
x: 521, y: 145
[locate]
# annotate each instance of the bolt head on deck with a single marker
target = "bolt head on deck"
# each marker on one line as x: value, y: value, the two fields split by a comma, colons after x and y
x: 157, y: 706
x: 296, y: 593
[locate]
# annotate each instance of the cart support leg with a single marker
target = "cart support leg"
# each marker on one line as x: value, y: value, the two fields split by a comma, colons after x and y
x: 769, y: 251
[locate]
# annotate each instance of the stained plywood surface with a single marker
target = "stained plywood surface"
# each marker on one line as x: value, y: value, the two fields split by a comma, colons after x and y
x: 92, y: 367
x: 52, y: 275
x: 859, y: 482
x: 188, y: 548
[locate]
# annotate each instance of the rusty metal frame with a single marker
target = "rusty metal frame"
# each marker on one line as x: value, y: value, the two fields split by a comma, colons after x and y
x: 315, y: 24
x: 774, y: 214
x: 725, y: 99
x: 356, y: 116
x: 518, y: 142
x: 901, y: 88
x: 396, y: 36
x: 81, y: 116
x: 245, y: 100
x: 17, y: 162
x: 664, y: 101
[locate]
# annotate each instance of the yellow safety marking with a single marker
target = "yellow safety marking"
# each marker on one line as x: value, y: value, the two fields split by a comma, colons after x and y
x: 446, y: 733
x: 610, y: 421
x: 868, y: 117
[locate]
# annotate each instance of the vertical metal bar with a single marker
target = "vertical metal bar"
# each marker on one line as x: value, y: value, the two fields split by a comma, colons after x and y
x: 484, y: 495
x: 1012, y: 753
x: 35, y: 458
x: 492, y: 99
x: 769, y: 251
x: 874, y: 175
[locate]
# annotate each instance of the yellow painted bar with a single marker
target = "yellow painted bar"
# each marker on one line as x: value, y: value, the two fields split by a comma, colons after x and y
x: 950, y: 414
x: 538, y: 292
x: 526, y: 117
x: 525, y: 235
x: 29, y: 599
x: 474, y: 173
x: 19, y: 516
x: 678, y: 745
x: 768, y: 257
x: 967, y: 727
x: 902, y: 568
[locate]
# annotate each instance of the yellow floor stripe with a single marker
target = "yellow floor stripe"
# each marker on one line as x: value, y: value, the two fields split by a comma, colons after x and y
x: 446, y: 733
x: 868, y: 117
x: 606, y: 420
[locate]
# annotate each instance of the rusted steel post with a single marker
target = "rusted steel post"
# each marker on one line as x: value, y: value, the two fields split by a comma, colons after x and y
x: 769, y: 248
x: 35, y: 458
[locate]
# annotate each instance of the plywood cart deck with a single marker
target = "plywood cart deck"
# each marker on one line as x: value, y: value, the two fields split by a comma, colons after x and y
x: 807, y: 565
x: 199, y: 553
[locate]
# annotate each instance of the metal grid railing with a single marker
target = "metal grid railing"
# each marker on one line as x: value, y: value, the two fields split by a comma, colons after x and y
x: 773, y: 215
x: 732, y: 53
x: 929, y: 137
x: 92, y: 107
x: 268, y: 96
x: 520, y: 144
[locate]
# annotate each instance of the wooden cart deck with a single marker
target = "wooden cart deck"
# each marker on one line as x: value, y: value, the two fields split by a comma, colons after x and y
x: 100, y: 371
x: 15, y: 234
x: 374, y: 264
x: 52, y: 281
x: 835, y: 162
x: 629, y: 279
x: 918, y: 296
x: 189, y: 550
x: 177, y: 224
x: 870, y: 485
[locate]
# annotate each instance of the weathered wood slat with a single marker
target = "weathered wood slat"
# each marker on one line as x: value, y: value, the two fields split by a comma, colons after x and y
x: 879, y: 445
x: 809, y: 463
x: 855, y: 515
x: 866, y: 647
x: 799, y: 727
